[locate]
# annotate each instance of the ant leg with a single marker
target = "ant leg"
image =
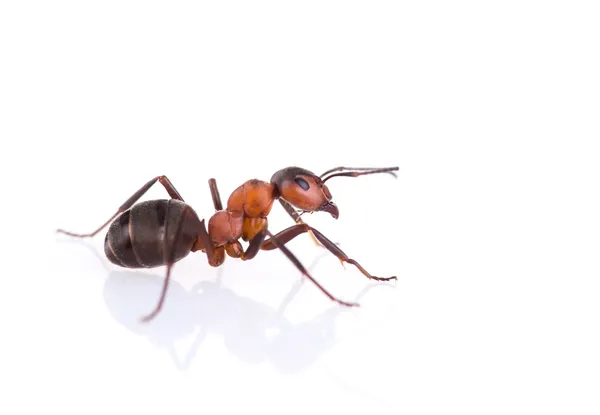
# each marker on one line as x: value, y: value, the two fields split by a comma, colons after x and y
x: 232, y: 250
x: 303, y: 270
x: 290, y: 233
x: 257, y: 242
x: 357, y: 171
x: 129, y: 202
x: 255, y: 245
x: 292, y: 212
x: 214, y: 192
x: 169, y: 253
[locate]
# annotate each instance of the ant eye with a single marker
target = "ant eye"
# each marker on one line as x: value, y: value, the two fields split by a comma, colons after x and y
x: 302, y: 183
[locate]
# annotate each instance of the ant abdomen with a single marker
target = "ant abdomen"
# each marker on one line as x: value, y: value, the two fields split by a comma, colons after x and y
x: 135, y: 238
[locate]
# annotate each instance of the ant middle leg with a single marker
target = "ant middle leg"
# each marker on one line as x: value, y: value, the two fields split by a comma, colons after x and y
x: 130, y: 202
x: 290, y: 233
x: 255, y: 245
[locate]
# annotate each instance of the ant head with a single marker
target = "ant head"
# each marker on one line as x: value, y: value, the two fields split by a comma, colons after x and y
x: 304, y: 190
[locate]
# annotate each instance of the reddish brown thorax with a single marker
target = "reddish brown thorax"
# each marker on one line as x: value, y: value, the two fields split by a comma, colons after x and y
x: 245, y: 215
x: 225, y: 227
x: 254, y: 198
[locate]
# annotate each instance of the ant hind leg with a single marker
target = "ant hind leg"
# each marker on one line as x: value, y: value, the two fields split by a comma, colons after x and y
x: 129, y: 202
x: 169, y: 252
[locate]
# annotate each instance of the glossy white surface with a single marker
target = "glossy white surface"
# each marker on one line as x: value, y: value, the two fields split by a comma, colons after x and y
x: 492, y: 225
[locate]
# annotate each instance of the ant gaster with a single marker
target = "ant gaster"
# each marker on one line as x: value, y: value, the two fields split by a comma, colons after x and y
x: 162, y: 232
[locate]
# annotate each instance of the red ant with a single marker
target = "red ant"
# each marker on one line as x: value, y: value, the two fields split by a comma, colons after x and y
x: 136, y: 236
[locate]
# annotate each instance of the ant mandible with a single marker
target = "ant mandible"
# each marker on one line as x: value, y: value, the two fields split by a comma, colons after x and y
x: 161, y: 232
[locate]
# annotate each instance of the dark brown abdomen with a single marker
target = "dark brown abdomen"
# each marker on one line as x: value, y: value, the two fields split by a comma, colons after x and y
x: 135, y: 238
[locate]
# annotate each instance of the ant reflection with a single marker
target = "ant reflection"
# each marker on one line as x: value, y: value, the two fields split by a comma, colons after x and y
x: 251, y: 331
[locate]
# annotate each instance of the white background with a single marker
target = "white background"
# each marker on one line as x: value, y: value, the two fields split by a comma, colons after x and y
x: 492, y: 226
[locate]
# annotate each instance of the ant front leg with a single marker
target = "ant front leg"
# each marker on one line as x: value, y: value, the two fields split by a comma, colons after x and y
x: 290, y: 233
x: 273, y: 240
x: 257, y: 243
x: 296, y: 217
x: 130, y: 202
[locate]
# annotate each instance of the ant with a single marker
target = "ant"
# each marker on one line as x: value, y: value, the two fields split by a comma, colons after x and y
x: 161, y: 232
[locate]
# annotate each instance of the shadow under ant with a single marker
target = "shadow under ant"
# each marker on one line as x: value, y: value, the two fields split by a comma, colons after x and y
x: 246, y: 326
